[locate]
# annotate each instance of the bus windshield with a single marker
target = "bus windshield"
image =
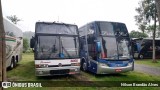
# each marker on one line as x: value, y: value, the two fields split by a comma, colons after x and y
x: 50, y: 47
x: 112, y: 29
x: 123, y: 48
x: 115, y: 48
x: 115, y: 41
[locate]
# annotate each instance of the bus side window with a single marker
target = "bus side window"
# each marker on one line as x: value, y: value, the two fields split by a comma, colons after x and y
x: 135, y: 48
x: 82, y: 44
x: 91, y: 47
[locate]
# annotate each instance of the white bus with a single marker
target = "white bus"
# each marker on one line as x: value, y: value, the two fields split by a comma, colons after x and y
x: 14, y: 43
x: 56, y: 49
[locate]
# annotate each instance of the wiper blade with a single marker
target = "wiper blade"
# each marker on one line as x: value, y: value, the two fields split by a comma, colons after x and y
x: 64, y: 49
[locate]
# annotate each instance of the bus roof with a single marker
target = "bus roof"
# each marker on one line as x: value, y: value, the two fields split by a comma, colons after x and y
x: 102, y: 21
x: 58, y: 23
x: 56, y: 28
x: 11, y: 29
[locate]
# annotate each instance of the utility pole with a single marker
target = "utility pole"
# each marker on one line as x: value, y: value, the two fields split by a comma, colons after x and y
x: 2, y: 49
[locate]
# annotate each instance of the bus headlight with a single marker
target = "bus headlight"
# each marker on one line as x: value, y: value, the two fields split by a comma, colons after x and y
x: 130, y: 64
x: 75, y: 64
x: 103, y: 64
x: 41, y: 65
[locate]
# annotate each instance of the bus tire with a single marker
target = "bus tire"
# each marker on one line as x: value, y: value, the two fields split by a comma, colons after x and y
x: 13, y: 64
x: 84, y: 66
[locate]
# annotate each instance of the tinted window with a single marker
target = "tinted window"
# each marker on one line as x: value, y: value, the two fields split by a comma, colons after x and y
x: 112, y: 29
x: 49, y: 47
x: 53, y: 28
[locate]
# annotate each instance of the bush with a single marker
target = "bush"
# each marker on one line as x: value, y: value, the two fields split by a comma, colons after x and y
x: 28, y: 51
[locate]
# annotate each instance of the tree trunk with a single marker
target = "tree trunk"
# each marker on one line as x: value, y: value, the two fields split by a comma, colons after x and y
x: 158, y: 10
x: 154, y: 32
x: 154, y: 51
x: 2, y: 49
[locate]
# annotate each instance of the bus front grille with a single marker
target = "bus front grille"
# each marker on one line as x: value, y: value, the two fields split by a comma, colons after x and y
x: 62, y: 71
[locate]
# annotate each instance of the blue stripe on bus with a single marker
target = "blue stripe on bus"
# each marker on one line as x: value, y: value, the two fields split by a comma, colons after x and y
x: 114, y: 63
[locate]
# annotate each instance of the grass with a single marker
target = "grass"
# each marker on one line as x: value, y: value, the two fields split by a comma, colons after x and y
x: 87, y: 88
x: 25, y: 72
x: 148, y: 62
x: 128, y: 76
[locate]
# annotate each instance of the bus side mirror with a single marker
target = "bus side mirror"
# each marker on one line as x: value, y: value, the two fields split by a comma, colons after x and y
x: 98, y: 47
x: 32, y: 42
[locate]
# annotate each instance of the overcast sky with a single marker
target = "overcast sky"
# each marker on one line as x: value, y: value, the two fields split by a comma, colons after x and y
x: 71, y: 11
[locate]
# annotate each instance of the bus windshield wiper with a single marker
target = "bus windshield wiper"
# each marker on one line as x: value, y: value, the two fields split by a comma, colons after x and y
x: 64, y: 49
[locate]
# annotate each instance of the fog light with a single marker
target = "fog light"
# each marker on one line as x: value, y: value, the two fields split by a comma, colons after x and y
x: 40, y: 72
x: 103, y: 64
x: 130, y: 64
x: 76, y: 70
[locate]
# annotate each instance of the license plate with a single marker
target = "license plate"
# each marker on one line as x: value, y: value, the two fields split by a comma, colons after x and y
x: 118, y: 70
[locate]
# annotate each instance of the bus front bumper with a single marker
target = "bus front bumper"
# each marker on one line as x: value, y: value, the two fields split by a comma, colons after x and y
x: 56, y: 71
x: 111, y: 70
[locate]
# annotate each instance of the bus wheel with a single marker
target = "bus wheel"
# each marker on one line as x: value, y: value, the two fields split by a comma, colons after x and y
x: 84, y: 66
x: 12, y: 65
x: 141, y: 56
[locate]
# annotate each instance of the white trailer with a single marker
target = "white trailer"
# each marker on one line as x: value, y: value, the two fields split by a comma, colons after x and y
x: 14, y: 43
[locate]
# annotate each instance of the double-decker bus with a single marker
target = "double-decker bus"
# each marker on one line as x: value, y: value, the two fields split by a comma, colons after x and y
x: 13, y: 42
x: 56, y: 49
x: 105, y: 48
x: 143, y: 47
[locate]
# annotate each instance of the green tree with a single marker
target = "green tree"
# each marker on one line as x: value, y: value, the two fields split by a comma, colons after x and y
x: 151, y: 14
x: 140, y: 19
x: 150, y: 30
x: 25, y: 45
x: 14, y: 19
x: 147, y: 15
x: 137, y: 34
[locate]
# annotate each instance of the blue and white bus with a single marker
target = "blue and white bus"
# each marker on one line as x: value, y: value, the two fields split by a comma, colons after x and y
x: 142, y: 48
x: 105, y: 48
